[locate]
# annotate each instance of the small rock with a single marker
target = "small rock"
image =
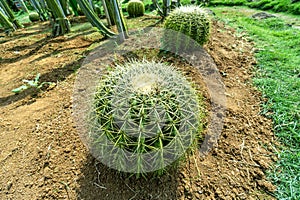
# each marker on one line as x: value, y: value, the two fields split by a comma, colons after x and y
x: 67, y: 150
x: 9, y: 185
x: 47, y: 172
x: 210, y: 12
x: 263, y: 15
x: 47, y: 190
x: 266, y: 185
x: 29, y: 185
x: 56, y: 170
x: 263, y: 164
x: 41, y: 182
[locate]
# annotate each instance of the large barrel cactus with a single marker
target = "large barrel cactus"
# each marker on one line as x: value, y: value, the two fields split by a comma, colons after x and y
x: 145, y: 115
x: 135, y: 8
x: 193, y: 22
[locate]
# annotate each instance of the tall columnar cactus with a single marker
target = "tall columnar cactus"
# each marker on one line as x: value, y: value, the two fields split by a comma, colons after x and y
x: 6, y: 10
x: 192, y: 21
x: 135, y: 8
x: 40, y: 8
x: 4, y: 21
x: 145, y: 115
x: 59, y: 21
x: 93, y: 18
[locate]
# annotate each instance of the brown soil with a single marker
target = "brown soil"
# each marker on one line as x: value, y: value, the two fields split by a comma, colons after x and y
x: 42, y: 156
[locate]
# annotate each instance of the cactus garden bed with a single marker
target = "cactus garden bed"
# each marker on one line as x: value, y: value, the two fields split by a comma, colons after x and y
x: 42, y: 156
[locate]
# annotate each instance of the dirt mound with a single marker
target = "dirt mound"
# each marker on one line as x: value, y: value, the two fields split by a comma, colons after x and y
x: 42, y: 157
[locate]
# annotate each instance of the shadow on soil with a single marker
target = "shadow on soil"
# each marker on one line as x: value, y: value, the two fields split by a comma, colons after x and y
x: 36, y: 29
x: 56, y: 75
x: 100, y: 182
x: 43, y: 28
x: 35, y: 47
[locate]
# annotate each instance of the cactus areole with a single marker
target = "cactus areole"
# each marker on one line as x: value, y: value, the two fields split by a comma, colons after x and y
x: 144, y: 117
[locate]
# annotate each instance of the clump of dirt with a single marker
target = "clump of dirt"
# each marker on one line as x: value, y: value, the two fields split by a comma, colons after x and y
x: 42, y: 156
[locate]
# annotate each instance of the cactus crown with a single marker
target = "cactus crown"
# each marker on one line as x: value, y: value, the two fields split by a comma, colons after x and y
x: 192, y: 21
x: 145, y: 112
x: 135, y: 8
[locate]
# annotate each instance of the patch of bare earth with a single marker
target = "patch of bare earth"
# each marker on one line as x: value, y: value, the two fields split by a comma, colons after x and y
x: 42, y: 156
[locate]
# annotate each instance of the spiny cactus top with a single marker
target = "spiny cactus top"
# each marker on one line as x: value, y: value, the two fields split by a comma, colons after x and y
x: 192, y: 21
x: 145, y: 116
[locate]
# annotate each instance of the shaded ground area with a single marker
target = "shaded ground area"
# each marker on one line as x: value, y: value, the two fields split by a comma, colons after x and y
x: 42, y: 157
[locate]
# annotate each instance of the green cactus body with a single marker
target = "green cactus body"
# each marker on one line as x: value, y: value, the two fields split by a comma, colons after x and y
x: 147, y: 114
x: 33, y: 16
x: 135, y: 8
x: 191, y: 21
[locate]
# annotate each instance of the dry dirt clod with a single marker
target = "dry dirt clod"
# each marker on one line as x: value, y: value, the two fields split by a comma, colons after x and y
x: 266, y: 185
x: 9, y: 185
x: 47, y: 172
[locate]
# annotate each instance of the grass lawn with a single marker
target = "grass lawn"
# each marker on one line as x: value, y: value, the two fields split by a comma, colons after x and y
x: 274, y: 5
x: 278, y: 77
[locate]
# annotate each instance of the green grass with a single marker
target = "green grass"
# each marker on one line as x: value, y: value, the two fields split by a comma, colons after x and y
x: 278, y: 77
x: 228, y: 2
x: 81, y: 27
x: 22, y: 17
x: 275, y: 5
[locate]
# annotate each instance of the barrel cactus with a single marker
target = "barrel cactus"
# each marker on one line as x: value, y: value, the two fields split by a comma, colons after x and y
x: 145, y: 116
x: 33, y: 16
x: 135, y: 8
x: 194, y: 24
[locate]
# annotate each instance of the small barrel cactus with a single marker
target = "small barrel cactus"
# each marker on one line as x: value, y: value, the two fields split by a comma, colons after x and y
x: 193, y: 22
x: 33, y: 17
x: 135, y: 8
x: 144, y: 117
